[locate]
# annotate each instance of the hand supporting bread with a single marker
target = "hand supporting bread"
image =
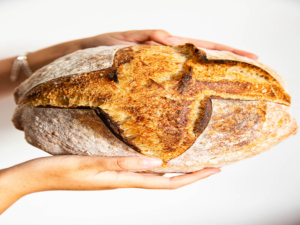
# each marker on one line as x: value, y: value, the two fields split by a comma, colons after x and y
x: 43, y: 57
x: 155, y: 37
x: 86, y: 173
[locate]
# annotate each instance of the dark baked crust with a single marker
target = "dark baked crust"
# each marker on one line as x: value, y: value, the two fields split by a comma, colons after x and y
x: 113, y: 126
x: 206, y: 118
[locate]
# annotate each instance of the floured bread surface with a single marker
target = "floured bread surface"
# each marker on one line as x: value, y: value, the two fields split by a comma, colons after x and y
x: 69, y: 131
x: 158, y: 100
x: 82, y: 61
x: 256, y: 126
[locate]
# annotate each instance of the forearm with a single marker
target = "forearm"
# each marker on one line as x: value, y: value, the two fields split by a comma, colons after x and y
x: 7, y: 199
x: 10, y: 189
x: 35, y: 60
x: 18, y: 181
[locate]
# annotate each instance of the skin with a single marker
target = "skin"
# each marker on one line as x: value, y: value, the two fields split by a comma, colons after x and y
x: 91, y: 172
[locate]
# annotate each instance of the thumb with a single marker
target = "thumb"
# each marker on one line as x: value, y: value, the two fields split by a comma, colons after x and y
x: 126, y: 163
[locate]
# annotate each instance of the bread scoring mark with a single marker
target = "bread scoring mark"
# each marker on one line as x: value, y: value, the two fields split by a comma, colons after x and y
x: 113, y: 126
x: 124, y: 55
x: 238, y: 90
x: 112, y: 75
x: 206, y: 118
x: 186, y: 80
x: 157, y: 99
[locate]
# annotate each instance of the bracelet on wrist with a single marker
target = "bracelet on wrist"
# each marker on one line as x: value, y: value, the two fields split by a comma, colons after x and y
x: 20, y: 62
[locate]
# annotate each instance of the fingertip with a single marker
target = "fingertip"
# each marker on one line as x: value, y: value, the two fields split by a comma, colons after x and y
x: 252, y: 56
x: 215, y: 171
x: 209, y: 171
x: 245, y: 54
x: 174, y: 41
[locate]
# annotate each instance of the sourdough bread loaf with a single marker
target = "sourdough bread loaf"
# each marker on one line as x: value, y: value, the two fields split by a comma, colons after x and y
x: 191, y: 107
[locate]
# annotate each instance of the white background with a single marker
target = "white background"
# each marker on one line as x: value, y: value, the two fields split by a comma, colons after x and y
x: 262, y: 190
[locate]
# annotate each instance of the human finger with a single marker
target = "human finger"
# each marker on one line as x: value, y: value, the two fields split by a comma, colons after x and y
x: 152, y: 174
x: 156, y: 182
x: 142, y: 36
x: 208, y: 45
x: 118, y: 163
x: 151, y: 43
x: 220, y: 47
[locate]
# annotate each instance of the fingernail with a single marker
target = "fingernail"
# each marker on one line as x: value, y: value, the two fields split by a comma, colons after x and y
x: 150, y: 162
x: 174, y: 41
x: 215, y: 172
x: 254, y: 57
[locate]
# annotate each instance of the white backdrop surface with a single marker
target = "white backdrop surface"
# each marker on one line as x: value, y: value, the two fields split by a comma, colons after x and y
x: 262, y: 190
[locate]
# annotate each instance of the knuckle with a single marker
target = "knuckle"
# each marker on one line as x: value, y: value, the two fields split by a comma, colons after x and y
x: 96, y: 164
x: 158, y: 32
x: 121, y: 163
x: 106, y: 165
x: 99, y: 163
x: 172, y: 185
x: 81, y: 163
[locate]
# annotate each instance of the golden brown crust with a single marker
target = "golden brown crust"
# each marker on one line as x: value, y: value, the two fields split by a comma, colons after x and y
x: 212, y: 55
x: 231, y: 79
x: 156, y: 99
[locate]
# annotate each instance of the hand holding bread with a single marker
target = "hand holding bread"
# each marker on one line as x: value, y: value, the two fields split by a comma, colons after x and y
x: 42, y: 57
x: 155, y: 37
x: 86, y: 173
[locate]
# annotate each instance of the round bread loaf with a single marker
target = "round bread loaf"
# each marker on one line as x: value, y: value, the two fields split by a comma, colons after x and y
x: 191, y: 107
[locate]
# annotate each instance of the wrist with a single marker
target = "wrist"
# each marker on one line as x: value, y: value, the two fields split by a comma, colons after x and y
x: 22, y: 179
x: 10, y: 185
x: 9, y: 191
x: 14, y: 184
x: 95, y: 41
x: 88, y: 42
x: 40, y: 58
